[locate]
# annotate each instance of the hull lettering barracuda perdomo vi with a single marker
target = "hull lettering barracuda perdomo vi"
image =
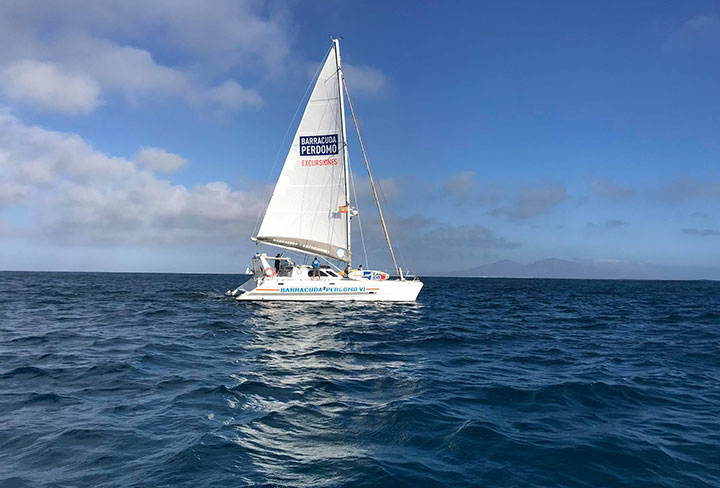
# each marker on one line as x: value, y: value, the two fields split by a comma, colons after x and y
x: 310, y: 212
x: 324, y: 289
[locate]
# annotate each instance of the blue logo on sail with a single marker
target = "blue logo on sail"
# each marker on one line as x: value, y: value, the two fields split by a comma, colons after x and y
x: 319, y: 145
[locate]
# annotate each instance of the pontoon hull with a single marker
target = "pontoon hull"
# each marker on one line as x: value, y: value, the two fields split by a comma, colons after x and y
x: 306, y: 290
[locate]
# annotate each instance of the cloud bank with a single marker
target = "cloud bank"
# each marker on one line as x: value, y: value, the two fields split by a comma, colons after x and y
x: 76, y: 194
x: 701, y: 232
x: 701, y: 30
x: 612, y: 191
x: 68, y: 56
x: 683, y: 189
x: 531, y: 201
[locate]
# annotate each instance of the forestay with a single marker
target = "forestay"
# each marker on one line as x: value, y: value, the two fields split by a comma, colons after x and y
x: 308, y: 210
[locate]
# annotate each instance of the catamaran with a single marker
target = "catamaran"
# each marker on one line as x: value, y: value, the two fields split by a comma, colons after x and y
x: 310, y: 212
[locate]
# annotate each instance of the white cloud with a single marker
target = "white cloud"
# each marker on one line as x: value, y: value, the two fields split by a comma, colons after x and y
x: 159, y: 160
x: 37, y: 157
x: 12, y: 193
x: 50, y: 86
x: 682, y: 189
x: 463, y: 188
x: 612, y: 191
x: 78, y: 194
x: 607, y: 225
x: 703, y: 29
x: 104, y: 49
x: 388, y: 190
x: 530, y: 202
x: 702, y: 232
x: 231, y: 95
x: 422, y: 242
x: 125, y: 69
x: 365, y: 80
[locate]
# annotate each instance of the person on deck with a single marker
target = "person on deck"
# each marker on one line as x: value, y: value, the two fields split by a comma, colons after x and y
x: 316, y: 268
x: 277, y: 262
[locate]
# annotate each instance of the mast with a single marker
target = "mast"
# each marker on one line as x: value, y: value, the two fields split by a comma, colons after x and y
x: 372, y: 182
x: 298, y: 217
x: 336, y: 42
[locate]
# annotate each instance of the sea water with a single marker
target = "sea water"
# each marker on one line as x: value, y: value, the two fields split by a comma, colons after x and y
x: 159, y: 380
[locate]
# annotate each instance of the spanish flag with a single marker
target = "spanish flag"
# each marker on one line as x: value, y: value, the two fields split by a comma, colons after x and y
x: 343, y: 209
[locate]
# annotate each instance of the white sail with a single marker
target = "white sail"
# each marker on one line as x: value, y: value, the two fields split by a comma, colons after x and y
x: 309, y: 211
x: 309, y: 208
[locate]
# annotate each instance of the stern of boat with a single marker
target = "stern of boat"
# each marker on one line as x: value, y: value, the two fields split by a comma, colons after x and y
x: 246, y: 287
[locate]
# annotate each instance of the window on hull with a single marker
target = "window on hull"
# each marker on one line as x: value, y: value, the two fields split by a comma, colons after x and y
x: 323, y: 272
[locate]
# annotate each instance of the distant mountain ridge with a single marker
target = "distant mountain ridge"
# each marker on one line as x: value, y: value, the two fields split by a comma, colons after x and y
x: 561, y: 268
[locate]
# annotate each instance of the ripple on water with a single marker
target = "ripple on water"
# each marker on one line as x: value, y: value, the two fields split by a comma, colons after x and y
x: 159, y: 380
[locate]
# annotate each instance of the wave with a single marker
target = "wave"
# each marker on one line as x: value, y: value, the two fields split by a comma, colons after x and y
x: 158, y: 380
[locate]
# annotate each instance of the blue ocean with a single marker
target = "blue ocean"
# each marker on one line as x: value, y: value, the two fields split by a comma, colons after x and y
x: 134, y: 380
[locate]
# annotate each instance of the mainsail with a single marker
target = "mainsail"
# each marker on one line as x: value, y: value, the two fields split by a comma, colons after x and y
x: 308, y: 210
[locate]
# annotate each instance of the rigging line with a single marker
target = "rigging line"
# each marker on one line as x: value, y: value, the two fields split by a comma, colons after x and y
x: 330, y: 263
x: 399, y: 241
x: 372, y: 182
x: 287, y: 131
x: 400, y: 244
x: 357, y: 206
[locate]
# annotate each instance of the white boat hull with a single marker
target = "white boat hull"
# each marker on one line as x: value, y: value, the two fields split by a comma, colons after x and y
x: 327, y: 289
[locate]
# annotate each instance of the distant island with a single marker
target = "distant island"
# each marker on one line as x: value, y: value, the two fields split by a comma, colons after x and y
x: 561, y: 268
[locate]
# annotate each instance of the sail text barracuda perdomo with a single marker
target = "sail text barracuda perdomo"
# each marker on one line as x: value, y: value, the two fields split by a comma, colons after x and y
x: 319, y: 145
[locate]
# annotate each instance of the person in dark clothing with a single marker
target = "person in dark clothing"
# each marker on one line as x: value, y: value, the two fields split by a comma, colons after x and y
x: 277, y: 262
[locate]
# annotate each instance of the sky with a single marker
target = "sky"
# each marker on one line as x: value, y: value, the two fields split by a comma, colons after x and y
x: 147, y: 136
